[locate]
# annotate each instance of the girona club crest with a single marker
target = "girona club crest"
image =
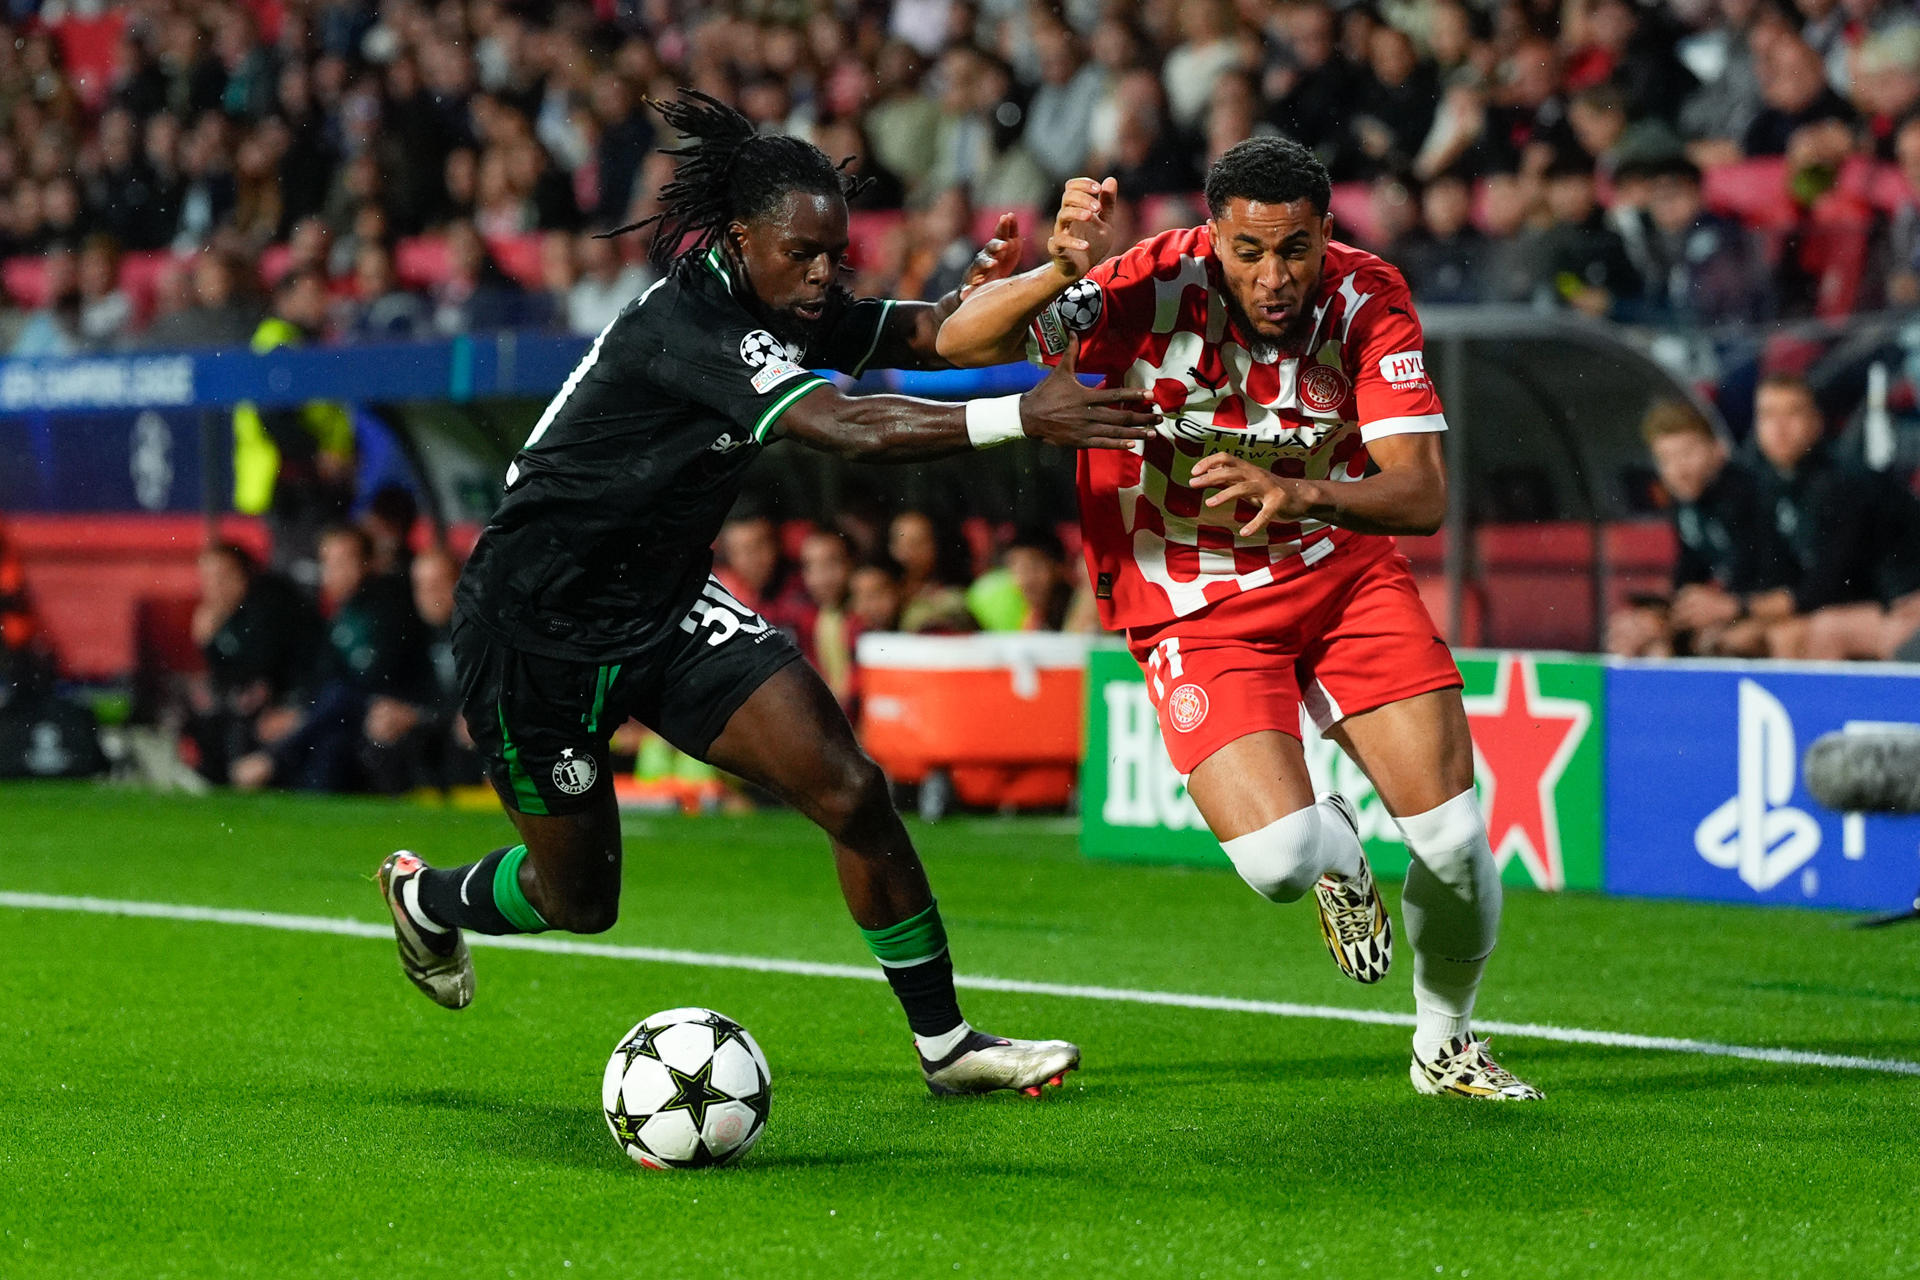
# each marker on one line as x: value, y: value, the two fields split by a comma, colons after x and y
x: 1187, y: 707
x: 1323, y: 388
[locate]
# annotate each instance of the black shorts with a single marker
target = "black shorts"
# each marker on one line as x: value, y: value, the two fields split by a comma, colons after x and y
x: 542, y: 724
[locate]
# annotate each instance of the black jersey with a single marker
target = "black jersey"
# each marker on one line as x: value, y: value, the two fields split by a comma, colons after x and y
x: 604, y: 538
x: 1727, y: 536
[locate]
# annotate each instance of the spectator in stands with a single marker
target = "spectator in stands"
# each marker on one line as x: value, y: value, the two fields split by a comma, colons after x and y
x: 1586, y: 263
x: 1060, y: 114
x: 626, y: 137
x: 1444, y: 258
x: 754, y: 568
x: 106, y: 312
x: 1399, y: 96
x: 1030, y: 591
x: 1147, y: 157
x: 1725, y: 57
x: 1824, y: 518
x: 1234, y: 115
x: 220, y: 314
x: 935, y: 572
x: 381, y: 309
x: 901, y: 118
x: 53, y: 328
x: 126, y: 198
x: 1632, y: 48
x: 606, y: 284
x: 875, y: 592
x: 826, y: 572
x: 209, y: 190
x: 392, y: 512
x: 419, y: 740
x: 374, y: 647
x: 476, y: 295
x: 1728, y: 551
x: 260, y: 640
x: 63, y: 216
x: 1794, y: 88
x: 1704, y: 269
x: 976, y: 143
x: 1311, y: 89
x: 1893, y: 277
x: 294, y: 465
x: 842, y: 139
x: 1886, y: 86
x: 1211, y: 46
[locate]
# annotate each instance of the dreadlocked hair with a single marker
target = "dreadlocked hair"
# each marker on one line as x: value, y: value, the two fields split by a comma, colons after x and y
x: 725, y: 172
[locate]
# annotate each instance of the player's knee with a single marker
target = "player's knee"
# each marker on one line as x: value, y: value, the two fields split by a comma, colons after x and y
x: 1450, y: 841
x: 855, y: 795
x: 1279, y: 860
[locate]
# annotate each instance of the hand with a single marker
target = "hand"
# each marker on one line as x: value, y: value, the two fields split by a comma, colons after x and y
x: 1280, y: 498
x: 1061, y: 411
x: 997, y: 259
x: 389, y: 720
x: 276, y: 723
x: 251, y: 772
x: 1082, y: 237
x: 1703, y: 605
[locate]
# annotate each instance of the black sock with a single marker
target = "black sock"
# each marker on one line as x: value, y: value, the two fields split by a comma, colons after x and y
x: 480, y: 895
x: 925, y: 991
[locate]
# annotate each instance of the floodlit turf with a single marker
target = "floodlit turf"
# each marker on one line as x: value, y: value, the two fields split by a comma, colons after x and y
x: 197, y: 1099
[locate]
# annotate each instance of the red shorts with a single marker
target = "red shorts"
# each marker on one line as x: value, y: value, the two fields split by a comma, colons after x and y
x: 1345, y: 636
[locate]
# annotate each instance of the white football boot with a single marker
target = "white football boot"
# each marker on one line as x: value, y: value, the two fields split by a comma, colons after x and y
x: 1353, y: 919
x: 437, y: 963
x: 982, y: 1063
x: 1465, y: 1069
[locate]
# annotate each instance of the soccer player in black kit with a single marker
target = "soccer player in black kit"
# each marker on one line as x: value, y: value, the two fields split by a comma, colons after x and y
x: 589, y: 598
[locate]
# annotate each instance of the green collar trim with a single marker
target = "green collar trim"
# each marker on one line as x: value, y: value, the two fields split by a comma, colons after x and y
x: 717, y: 266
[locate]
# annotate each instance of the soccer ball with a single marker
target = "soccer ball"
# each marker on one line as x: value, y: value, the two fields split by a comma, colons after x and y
x: 685, y: 1089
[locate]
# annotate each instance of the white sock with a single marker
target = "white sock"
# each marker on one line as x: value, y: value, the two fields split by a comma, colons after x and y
x: 934, y: 1048
x: 1451, y: 907
x: 1282, y: 859
x: 410, y: 898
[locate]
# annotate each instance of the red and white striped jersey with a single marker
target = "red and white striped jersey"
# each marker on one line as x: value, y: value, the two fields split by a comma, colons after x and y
x: 1156, y: 317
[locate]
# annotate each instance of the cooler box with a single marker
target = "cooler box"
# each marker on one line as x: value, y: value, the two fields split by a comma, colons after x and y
x: 999, y: 713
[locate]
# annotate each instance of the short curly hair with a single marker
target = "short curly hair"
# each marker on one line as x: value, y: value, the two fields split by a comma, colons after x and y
x: 1270, y: 170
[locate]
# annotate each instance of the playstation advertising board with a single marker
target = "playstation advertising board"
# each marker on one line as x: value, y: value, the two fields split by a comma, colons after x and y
x: 1706, y: 796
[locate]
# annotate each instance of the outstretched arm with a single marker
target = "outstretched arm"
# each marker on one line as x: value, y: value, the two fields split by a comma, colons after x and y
x: 910, y: 333
x: 990, y: 324
x: 904, y: 429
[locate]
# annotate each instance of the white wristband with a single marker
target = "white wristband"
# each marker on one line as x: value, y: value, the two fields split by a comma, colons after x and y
x: 992, y: 422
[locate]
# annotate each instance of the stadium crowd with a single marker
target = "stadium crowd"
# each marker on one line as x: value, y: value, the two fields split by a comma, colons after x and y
x: 438, y: 165
x: 351, y: 686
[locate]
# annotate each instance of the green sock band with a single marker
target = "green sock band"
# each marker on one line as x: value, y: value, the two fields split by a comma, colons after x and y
x: 911, y: 942
x: 507, y: 896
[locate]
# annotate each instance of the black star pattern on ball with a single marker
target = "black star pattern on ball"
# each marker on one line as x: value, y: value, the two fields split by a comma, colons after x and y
x: 694, y: 1093
x: 625, y: 1127
x: 760, y: 1102
x: 640, y: 1045
x: 724, y: 1029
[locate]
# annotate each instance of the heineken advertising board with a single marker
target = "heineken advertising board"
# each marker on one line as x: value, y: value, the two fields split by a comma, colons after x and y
x: 1537, y: 745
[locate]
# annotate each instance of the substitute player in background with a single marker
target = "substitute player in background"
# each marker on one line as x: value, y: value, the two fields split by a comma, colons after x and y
x: 1289, y: 373
x: 590, y: 599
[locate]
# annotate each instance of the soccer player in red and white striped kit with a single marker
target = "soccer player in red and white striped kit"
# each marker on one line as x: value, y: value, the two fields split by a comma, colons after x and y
x: 1246, y: 552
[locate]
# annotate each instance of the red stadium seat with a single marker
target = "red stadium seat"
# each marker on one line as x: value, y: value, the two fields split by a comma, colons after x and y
x: 421, y: 261
x: 1639, y: 560
x: 25, y: 279
x: 519, y: 257
x: 274, y: 261
x: 1754, y: 191
x: 88, y: 574
x: 1352, y: 209
x: 1539, y: 584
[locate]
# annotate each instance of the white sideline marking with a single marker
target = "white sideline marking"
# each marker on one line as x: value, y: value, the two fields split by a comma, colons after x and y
x: 810, y: 969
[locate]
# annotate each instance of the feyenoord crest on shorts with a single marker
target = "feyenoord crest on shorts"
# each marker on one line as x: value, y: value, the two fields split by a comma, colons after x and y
x: 574, y: 774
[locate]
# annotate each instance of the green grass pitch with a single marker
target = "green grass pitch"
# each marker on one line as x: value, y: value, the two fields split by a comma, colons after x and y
x: 198, y: 1099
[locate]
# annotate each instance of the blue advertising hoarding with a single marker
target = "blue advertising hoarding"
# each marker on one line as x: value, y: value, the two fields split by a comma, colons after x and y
x: 1705, y: 797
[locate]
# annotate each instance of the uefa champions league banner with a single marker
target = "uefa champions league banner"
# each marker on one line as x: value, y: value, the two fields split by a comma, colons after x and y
x: 1705, y: 794
x: 1537, y: 725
